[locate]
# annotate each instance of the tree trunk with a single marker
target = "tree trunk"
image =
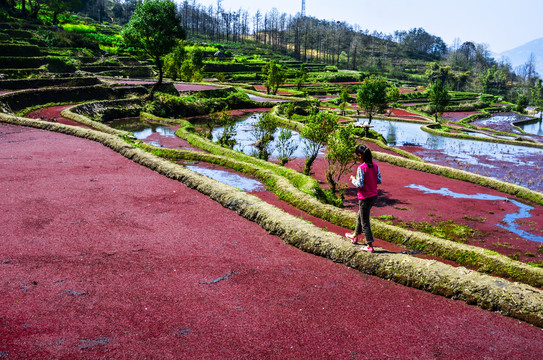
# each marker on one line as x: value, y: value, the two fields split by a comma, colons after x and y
x: 309, y: 164
x: 159, y: 82
x: 23, y: 8
x: 331, y: 182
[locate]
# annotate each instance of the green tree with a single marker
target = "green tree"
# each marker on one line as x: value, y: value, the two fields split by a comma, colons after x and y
x: 493, y: 81
x: 393, y: 96
x: 537, y: 96
x: 228, y: 135
x: 275, y: 75
x: 344, y: 99
x: 372, y: 96
x: 286, y: 146
x: 154, y: 28
x: 316, y: 131
x: 57, y: 7
x: 262, y: 132
x: 339, y: 157
x: 174, y: 60
x: 439, y: 98
x: 438, y: 72
x: 301, y: 76
x: 522, y: 102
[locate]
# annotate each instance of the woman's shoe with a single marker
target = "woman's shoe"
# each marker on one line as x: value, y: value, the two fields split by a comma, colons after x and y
x: 353, y: 237
x: 367, y: 248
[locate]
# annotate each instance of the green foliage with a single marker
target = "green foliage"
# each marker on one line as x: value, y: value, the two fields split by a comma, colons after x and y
x: 262, y: 133
x: 437, y: 72
x: 286, y: 146
x: 301, y: 76
x: 447, y: 230
x: 393, y: 96
x: 340, y: 157
x: 221, y: 77
x: 174, y: 60
x: 227, y: 137
x: 81, y: 28
x: 59, y: 6
x: 154, y: 28
x: 67, y: 40
x: 316, y: 131
x: 493, y: 81
x: 439, y: 98
x: 372, y: 96
x: 275, y: 75
x: 522, y: 102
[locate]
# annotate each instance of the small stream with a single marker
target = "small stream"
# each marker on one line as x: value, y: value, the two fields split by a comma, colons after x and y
x: 509, y: 219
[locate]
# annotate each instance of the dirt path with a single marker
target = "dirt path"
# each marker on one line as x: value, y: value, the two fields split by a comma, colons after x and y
x: 103, y: 258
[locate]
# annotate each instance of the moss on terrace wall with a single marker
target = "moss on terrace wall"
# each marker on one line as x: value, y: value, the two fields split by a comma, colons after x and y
x: 27, y: 98
x: 512, y: 299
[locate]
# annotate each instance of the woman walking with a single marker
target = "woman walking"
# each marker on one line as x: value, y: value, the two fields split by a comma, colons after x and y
x: 366, y: 180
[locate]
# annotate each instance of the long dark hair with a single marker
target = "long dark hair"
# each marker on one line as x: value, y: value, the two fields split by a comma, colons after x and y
x: 365, y: 152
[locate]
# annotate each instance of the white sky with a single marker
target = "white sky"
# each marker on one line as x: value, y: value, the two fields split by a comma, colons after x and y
x: 502, y: 25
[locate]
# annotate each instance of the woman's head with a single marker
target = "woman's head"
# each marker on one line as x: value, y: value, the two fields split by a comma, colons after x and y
x: 365, y: 154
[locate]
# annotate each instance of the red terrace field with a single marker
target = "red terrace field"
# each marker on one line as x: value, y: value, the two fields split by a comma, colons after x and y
x: 53, y: 114
x: 457, y: 116
x: 103, y: 258
x: 411, y: 205
x: 404, y: 114
x: 194, y: 87
x: 262, y: 88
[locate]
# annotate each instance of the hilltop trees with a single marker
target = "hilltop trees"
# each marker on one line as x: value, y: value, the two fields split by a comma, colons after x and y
x: 154, y: 28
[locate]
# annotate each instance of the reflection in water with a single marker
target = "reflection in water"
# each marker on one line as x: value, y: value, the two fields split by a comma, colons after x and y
x: 163, y: 131
x: 142, y: 128
x: 229, y: 178
x: 469, y: 151
x: 245, y: 139
x: 532, y: 127
x: 509, y: 219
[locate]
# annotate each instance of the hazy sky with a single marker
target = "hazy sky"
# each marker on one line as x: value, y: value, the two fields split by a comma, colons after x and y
x: 503, y: 25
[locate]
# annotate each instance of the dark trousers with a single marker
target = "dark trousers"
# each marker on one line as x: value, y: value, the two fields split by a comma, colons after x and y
x: 363, y: 218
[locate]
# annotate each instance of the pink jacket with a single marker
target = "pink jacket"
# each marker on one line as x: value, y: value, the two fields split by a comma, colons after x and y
x: 366, y: 180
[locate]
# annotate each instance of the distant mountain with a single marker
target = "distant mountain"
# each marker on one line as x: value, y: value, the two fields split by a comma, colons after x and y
x: 520, y: 55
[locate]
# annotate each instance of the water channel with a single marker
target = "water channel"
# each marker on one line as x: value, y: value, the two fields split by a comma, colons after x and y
x: 509, y: 219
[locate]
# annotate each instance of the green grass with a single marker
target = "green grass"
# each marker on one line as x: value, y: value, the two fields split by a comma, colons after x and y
x: 81, y: 28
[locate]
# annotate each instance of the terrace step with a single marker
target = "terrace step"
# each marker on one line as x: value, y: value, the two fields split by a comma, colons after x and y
x: 19, y: 50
